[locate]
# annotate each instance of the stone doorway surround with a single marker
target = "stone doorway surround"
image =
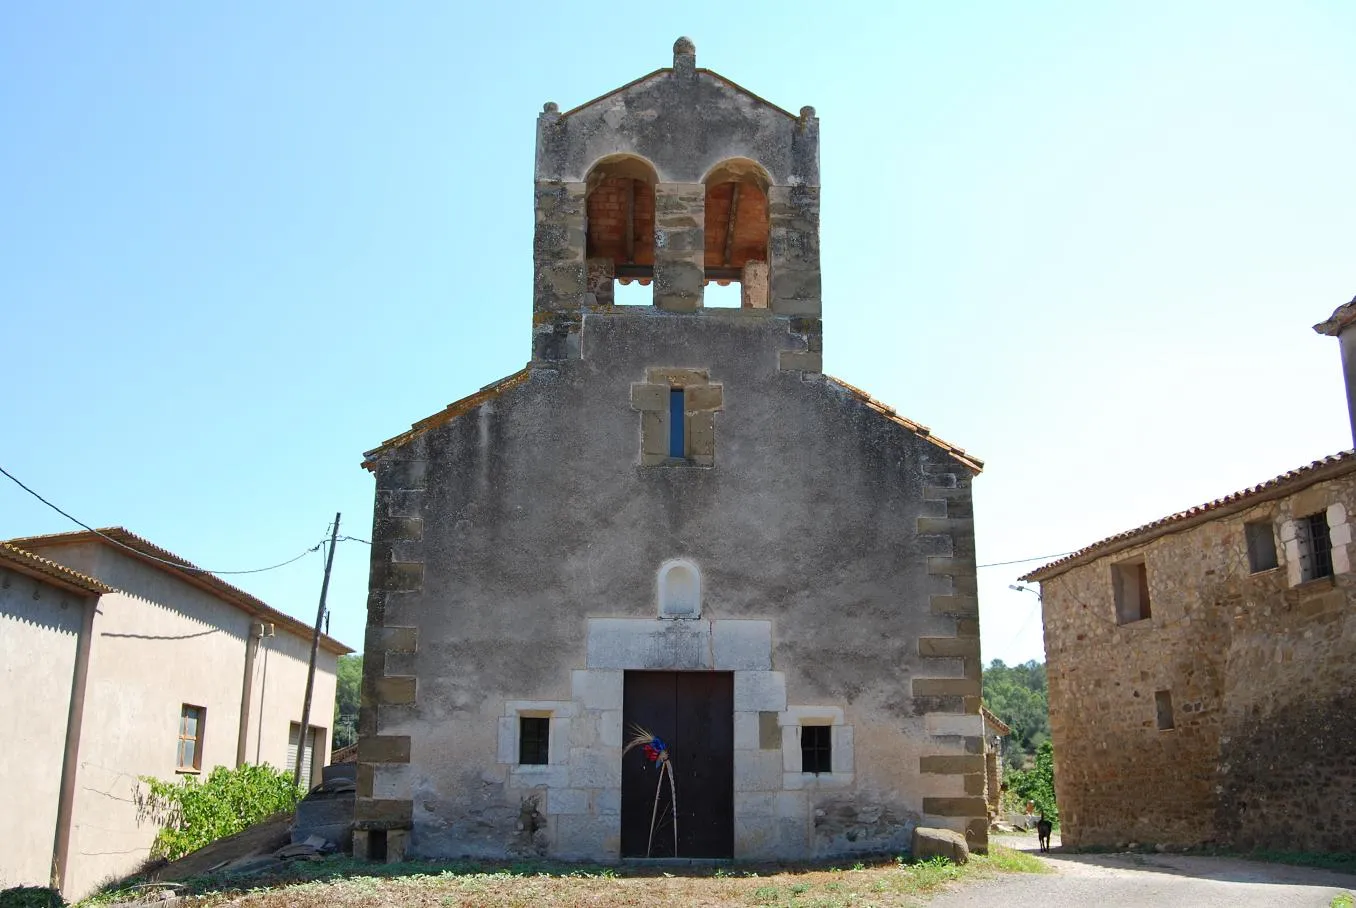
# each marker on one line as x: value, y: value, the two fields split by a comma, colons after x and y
x: 581, y: 783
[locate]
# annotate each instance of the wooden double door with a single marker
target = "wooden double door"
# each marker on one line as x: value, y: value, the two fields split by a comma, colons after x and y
x: 694, y: 713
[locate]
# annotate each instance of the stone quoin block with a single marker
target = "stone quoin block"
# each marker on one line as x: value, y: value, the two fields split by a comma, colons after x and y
x: 384, y: 749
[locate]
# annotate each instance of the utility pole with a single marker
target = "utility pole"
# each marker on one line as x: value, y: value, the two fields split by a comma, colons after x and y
x: 315, y: 648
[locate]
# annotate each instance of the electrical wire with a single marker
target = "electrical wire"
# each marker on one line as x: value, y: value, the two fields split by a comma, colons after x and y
x: 1025, y: 560
x: 354, y: 539
x: 175, y: 564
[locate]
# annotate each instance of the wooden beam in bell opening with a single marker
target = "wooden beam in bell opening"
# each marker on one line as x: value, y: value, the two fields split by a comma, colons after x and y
x: 730, y: 225
x: 630, y: 222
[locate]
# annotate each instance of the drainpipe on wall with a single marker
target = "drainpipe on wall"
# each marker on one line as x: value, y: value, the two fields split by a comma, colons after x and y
x: 247, y: 692
x: 70, y: 761
x: 1342, y: 325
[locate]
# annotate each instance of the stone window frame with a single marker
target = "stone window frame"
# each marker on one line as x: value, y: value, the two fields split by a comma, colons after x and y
x: 1260, y: 526
x: 702, y: 399
x: 842, y: 753
x: 559, y: 712
x: 1143, y: 607
x: 1339, y: 537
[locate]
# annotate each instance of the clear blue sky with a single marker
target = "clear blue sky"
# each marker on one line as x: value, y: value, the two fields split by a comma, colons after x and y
x: 242, y: 243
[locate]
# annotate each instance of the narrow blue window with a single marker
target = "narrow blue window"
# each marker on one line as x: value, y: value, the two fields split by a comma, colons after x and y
x: 677, y: 443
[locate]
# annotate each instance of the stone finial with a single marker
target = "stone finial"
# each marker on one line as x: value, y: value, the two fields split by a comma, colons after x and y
x: 550, y: 107
x: 684, y: 58
x: 807, y: 112
x: 1343, y: 316
x: 684, y: 47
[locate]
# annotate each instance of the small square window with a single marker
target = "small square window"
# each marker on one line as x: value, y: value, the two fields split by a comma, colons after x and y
x: 1261, y: 546
x: 534, y: 740
x: 1315, y: 546
x: 192, y: 720
x: 1163, y: 706
x: 816, y: 748
x: 1130, y: 584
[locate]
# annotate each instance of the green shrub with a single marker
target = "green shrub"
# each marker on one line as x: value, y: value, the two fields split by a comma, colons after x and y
x: 30, y: 897
x: 192, y: 813
x: 1037, y: 783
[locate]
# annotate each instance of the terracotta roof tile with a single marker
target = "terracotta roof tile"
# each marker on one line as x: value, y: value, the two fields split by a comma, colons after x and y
x: 972, y: 463
x: 1292, y: 481
x: 38, y: 566
x: 112, y: 536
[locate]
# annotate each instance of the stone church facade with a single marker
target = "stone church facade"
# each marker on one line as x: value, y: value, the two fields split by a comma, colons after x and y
x: 671, y: 520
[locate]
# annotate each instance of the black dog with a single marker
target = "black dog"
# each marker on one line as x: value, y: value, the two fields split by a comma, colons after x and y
x: 1043, y: 829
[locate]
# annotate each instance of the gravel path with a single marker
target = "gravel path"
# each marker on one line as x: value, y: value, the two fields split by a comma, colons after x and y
x: 1151, y: 881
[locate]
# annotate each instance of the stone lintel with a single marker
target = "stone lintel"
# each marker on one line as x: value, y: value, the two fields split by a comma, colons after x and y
x: 382, y: 813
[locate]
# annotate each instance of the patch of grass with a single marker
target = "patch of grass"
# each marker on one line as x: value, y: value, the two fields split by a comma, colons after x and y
x: 340, y: 882
x: 1342, y: 900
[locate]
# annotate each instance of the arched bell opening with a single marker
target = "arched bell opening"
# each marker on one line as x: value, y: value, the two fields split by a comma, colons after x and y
x: 737, y: 229
x: 619, y: 227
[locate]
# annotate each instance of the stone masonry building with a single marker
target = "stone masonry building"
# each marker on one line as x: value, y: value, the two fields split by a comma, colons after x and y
x: 1202, y: 669
x: 671, y: 519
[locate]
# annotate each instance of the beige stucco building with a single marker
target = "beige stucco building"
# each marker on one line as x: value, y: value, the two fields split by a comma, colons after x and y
x: 121, y: 660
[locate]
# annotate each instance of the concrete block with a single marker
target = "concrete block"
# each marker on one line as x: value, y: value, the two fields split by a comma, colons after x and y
x: 755, y: 691
x: 384, y: 749
x: 583, y: 837
x: 640, y: 643
x: 746, y: 735
x: 946, y: 687
x: 955, y: 807
x: 607, y: 802
x: 598, y: 767
x: 811, y: 715
x: 567, y: 800
x: 952, y: 764
x: 507, y: 747
x: 537, y: 776
x: 942, y: 724
x: 757, y: 770
x: 742, y: 645
x: 610, y: 731
x: 645, y: 396
x: 596, y: 689
x: 393, y: 781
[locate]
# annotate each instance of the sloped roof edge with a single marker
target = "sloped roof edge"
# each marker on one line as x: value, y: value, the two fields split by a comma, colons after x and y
x: 444, y: 416
x: 668, y: 69
x: 998, y: 724
x: 1286, y: 484
x: 969, y: 461
x: 45, y: 569
x: 191, y: 573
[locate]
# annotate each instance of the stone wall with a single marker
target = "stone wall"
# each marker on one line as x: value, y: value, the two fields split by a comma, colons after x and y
x: 516, y: 547
x: 1257, y: 666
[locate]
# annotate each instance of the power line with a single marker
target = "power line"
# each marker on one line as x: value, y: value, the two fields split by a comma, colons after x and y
x: 354, y: 539
x: 175, y: 564
x: 1024, y: 560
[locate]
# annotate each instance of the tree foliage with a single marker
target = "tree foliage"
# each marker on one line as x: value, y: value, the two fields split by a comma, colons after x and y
x: 1037, y: 783
x: 1018, y: 695
x: 192, y: 813
x: 347, y: 697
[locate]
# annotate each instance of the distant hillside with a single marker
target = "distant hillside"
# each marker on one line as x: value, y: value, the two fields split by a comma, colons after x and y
x: 1017, y: 694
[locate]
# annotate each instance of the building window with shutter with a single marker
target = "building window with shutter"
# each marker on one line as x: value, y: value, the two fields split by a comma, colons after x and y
x: 192, y: 720
x: 314, y: 737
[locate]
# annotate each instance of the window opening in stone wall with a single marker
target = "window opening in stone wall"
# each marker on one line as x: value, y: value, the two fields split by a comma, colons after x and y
x: 534, y: 740
x: 619, y: 230
x: 816, y: 749
x: 677, y: 424
x: 192, y: 721
x: 736, y: 234
x: 1130, y: 585
x: 1315, y: 545
x: 1163, y: 706
x: 1261, y: 546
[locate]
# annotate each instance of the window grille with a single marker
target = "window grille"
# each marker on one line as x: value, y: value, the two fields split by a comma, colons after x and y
x: 816, y: 749
x: 534, y: 740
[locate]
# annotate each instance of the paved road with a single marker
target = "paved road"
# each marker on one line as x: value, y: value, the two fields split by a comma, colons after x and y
x: 1151, y: 881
